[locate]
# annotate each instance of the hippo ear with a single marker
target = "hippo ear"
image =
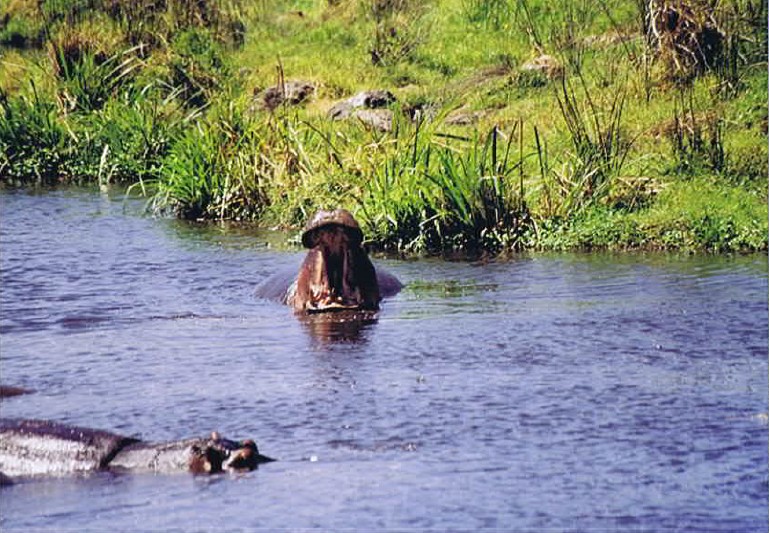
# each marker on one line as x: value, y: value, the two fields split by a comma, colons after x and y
x: 310, y: 239
x: 355, y: 235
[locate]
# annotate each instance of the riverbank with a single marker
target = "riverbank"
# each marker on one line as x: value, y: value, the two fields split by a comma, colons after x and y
x: 496, y: 125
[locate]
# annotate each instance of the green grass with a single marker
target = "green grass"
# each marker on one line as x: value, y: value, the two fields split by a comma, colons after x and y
x: 610, y: 148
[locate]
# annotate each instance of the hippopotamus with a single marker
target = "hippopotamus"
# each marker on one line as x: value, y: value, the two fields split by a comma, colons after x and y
x: 336, y: 273
x: 8, y: 391
x: 30, y: 448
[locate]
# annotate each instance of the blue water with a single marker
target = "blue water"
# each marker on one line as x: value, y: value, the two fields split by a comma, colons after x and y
x: 548, y: 392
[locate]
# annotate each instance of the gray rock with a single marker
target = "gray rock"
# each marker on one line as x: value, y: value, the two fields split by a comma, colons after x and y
x: 290, y: 92
x: 379, y: 119
x: 463, y: 118
x: 545, y: 64
x: 375, y: 99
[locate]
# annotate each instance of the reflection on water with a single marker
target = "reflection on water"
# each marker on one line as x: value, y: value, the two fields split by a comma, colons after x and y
x: 340, y: 326
x: 560, y: 392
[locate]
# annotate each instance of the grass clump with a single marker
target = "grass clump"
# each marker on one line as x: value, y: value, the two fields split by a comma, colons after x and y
x: 33, y: 140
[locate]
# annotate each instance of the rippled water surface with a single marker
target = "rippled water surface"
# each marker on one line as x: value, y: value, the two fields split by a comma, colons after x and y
x: 561, y: 392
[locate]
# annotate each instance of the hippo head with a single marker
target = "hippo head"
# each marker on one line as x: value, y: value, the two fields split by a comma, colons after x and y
x: 218, y: 454
x: 337, y: 273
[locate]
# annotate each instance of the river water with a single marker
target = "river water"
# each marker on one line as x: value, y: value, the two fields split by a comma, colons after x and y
x: 549, y: 392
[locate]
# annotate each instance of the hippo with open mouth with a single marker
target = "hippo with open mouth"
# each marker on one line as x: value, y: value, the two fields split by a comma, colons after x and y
x: 336, y: 274
x: 32, y: 448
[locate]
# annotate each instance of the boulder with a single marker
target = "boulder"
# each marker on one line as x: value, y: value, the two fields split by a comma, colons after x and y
x: 463, y: 118
x: 379, y: 119
x: 291, y: 92
x: 544, y: 64
x: 375, y: 99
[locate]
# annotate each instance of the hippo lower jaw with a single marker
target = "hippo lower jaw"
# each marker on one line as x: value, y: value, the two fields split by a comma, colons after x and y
x: 326, y: 308
x: 331, y: 304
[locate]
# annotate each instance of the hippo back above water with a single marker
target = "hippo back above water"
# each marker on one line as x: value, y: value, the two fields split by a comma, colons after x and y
x: 33, y: 448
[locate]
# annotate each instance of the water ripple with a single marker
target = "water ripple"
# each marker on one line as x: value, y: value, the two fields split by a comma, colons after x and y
x: 569, y: 392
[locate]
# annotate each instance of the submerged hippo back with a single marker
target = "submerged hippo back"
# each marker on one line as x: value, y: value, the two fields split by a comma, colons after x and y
x: 162, y: 458
x: 39, y: 447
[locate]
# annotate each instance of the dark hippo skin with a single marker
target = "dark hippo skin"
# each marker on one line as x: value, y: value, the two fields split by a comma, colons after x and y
x: 7, y: 391
x: 39, y: 447
x: 336, y: 273
x: 31, y: 448
x: 200, y: 456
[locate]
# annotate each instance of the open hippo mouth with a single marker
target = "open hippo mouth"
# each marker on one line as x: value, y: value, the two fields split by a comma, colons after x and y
x: 337, y: 274
x: 333, y: 281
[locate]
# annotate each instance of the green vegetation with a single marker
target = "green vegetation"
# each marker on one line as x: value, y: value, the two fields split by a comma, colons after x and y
x: 516, y: 124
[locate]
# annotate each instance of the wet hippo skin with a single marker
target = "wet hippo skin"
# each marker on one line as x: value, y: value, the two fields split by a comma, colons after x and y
x: 30, y: 448
x: 336, y: 273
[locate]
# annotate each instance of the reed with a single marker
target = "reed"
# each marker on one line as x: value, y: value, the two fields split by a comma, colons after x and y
x: 88, y: 79
x: 600, y: 148
x: 211, y: 171
x: 34, y: 144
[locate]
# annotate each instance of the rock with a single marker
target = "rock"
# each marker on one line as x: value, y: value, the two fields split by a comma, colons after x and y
x: 463, y: 118
x: 421, y: 111
x: 375, y: 99
x: 545, y: 64
x: 379, y: 119
x: 290, y: 92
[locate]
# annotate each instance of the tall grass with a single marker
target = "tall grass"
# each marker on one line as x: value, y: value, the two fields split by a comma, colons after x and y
x: 139, y: 130
x: 88, y: 79
x: 448, y: 194
x: 696, y: 137
x: 397, y: 207
x: 481, y: 199
x: 34, y: 143
x: 211, y: 171
x: 599, y: 144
